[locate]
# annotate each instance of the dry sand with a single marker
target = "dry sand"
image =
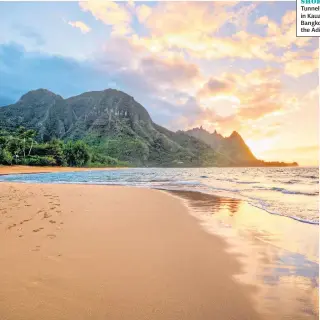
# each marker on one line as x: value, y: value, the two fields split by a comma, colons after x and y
x: 31, y: 169
x: 97, y: 252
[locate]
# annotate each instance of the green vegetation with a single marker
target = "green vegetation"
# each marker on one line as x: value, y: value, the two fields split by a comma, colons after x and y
x: 21, y: 148
x: 108, y: 128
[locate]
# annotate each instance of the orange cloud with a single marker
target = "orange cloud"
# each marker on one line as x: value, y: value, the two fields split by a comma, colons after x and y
x: 170, y: 29
x: 299, y: 63
x: 259, y: 92
x: 115, y: 15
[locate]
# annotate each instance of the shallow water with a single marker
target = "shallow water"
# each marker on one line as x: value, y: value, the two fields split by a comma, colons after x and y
x: 279, y: 255
x: 291, y: 192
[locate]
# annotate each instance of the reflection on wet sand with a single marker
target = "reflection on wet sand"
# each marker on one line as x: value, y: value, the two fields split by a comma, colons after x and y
x: 280, y: 255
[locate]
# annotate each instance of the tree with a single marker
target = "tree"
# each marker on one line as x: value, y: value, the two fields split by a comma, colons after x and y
x: 76, y: 153
x: 56, y: 150
x: 15, y: 146
x: 5, y: 157
x: 29, y: 136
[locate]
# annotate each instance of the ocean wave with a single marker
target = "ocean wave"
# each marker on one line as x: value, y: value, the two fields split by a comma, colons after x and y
x: 285, y: 191
x: 246, y: 182
x: 293, y: 181
x: 311, y: 177
x: 226, y: 179
x: 270, y: 193
x: 303, y: 220
x: 253, y: 201
x: 186, y: 182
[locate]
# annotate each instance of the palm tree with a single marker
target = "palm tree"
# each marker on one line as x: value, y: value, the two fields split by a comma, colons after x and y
x: 28, y: 137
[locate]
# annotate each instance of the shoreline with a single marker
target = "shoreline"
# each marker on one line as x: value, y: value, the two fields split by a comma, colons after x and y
x: 68, y: 244
x: 8, y: 170
x: 277, y: 256
x: 215, y: 216
x: 70, y: 169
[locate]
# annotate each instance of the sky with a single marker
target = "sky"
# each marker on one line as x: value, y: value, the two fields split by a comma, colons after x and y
x: 224, y: 66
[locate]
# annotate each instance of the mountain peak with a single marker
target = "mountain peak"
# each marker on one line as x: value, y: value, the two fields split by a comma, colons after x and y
x: 39, y: 94
x: 234, y: 134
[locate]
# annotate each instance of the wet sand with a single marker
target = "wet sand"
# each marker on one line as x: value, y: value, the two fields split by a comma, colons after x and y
x: 279, y: 255
x: 99, y: 252
x: 33, y: 169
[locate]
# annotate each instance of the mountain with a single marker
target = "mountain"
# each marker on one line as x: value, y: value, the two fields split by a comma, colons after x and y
x: 113, y: 123
x: 233, y: 146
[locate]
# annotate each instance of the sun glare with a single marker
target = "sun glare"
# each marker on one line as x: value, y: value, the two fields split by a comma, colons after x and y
x: 259, y: 147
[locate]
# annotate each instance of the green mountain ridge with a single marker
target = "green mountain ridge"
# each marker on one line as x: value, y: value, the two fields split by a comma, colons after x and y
x: 114, y: 124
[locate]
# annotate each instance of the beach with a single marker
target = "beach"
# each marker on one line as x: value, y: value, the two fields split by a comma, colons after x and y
x: 4, y: 170
x: 110, y: 252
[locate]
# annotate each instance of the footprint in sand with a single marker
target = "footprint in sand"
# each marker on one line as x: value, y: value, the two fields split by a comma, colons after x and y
x: 52, y: 221
x: 25, y: 220
x: 11, y: 226
x: 46, y: 215
x: 51, y: 236
x: 37, y: 248
x: 37, y: 230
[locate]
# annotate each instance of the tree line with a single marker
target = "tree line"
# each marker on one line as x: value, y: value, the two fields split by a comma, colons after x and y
x: 20, y: 147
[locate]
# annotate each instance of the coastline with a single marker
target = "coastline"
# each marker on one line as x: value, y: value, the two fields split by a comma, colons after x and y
x: 263, y: 249
x: 75, y: 251
x: 6, y: 170
x: 279, y: 255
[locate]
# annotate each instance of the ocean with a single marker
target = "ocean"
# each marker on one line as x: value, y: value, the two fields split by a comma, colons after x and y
x: 292, y: 192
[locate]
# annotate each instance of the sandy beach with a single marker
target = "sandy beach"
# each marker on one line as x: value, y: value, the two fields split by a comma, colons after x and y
x: 31, y: 169
x: 100, y: 252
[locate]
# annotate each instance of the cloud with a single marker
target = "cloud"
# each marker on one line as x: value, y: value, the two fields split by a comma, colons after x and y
x: 80, y: 25
x: 299, y: 63
x: 283, y: 35
x: 215, y: 87
x: 116, y: 15
x: 173, y: 18
x: 169, y: 29
x: 312, y: 94
x: 259, y: 110
x: 169, y: 72
x: 30, y: 33
x: 22, y: 71
x: 121, y: 55
x: 252, y: 95
x: 143, y: 12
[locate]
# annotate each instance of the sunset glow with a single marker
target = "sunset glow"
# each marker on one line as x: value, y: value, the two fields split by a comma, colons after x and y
x: 222, y: 65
